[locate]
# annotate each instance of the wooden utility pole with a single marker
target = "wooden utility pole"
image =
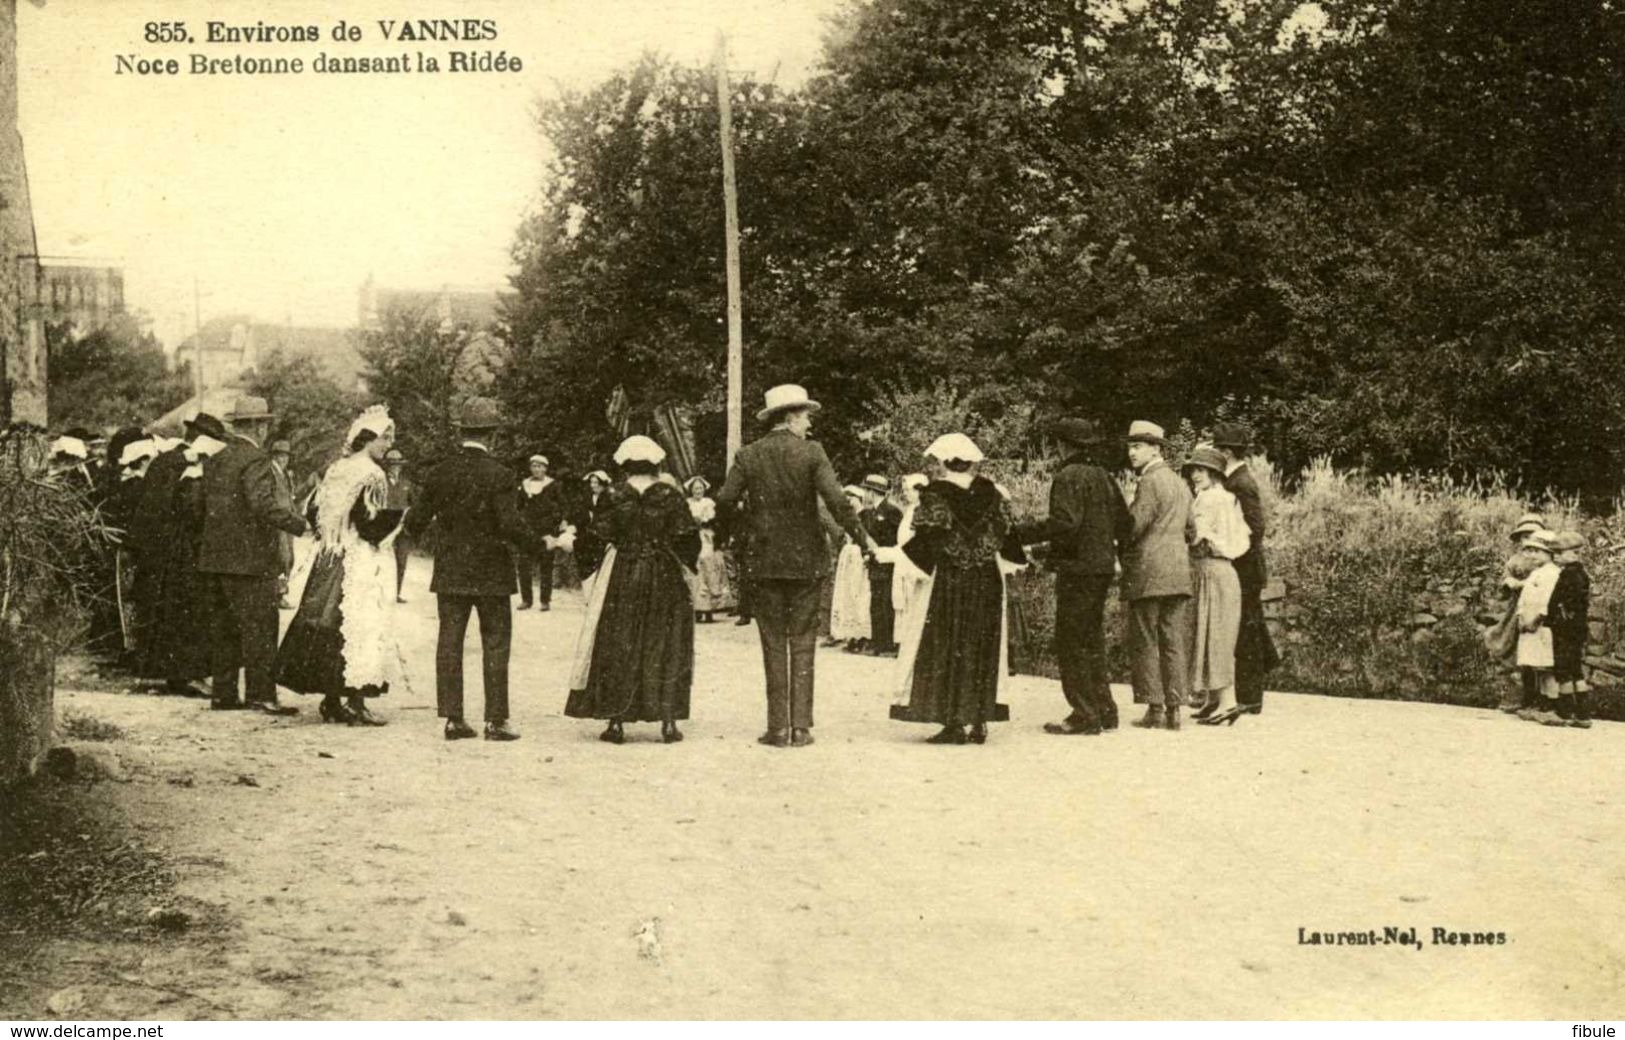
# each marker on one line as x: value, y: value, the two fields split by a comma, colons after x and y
x: 197, y: 344
x: 730, y: 203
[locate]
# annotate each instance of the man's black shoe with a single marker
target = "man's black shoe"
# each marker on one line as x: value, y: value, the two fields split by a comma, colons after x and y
x: 499, y: 731
x: 457, y: 729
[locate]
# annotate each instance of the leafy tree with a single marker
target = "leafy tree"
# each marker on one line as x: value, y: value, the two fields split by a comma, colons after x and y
x: 423, y: 369
x: 312, y: 412
x: 113, y: 376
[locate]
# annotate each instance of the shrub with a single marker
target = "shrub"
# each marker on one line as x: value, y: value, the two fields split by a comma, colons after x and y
x: 49, y: 540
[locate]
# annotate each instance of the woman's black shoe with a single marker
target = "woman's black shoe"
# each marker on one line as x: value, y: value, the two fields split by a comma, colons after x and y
x: 613, y: 734
x: 360, y: 716
x: 978, y: 733
x: 333, y: 710
x: 1227, y: 717
x: 1207, y: 709
x: 670, y: 733
x: 949, y: 735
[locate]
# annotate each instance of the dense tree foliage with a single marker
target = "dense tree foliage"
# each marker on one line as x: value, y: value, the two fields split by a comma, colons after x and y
x: 423, y: 368
x: 312, y: 412
x: 112, y: 376
x: 1384, y: 230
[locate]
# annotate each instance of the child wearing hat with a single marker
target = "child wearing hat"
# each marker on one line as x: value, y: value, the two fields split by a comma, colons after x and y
x: 1535, y: 657
x: 1568, y: 614
x: 1514, y: 572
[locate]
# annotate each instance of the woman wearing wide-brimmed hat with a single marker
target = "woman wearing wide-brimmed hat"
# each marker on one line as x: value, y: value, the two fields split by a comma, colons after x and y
x: 634, y: 659
x: 711, y: 592
x: 952, y: 655
x: 1218, y: 535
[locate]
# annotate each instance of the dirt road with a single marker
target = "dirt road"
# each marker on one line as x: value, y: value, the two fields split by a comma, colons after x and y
x: 357, y: 873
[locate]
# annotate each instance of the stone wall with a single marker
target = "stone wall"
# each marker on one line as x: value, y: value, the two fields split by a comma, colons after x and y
x: 25, y: 671
x: 22, y: 338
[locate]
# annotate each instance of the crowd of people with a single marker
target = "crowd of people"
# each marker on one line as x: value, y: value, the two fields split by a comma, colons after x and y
x: 915, y: 571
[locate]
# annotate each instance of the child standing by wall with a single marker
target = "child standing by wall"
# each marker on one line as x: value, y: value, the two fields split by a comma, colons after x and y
x: 1514, y: 573
x: 1535, y: 657
x: 1568, y: 615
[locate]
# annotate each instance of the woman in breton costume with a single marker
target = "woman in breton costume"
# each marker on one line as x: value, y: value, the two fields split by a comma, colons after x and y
x: 179, y: 652
x: 849, y: 599
x: 341, y: 644
x: 952, y: 651
x: 1217, y: 535
x: 634, y: 658
x: 711, y: 592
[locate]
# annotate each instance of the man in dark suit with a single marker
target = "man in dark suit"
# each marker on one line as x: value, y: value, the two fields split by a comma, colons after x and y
x: 402, y: 495
x: 880, y: 519
x: 471, y: 496
x: 240, y: 557
x: 778, y: 479
x: 1157, y: 584
x: 1255, y: 653
x: 542, y: 510
x: 1087, y: 521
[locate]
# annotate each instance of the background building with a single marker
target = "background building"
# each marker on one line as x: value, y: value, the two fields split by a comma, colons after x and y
x: 85, y: 296
x: 233, y: 346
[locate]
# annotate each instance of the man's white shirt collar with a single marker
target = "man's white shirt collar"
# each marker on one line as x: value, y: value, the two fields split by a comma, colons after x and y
x: 477, y: 444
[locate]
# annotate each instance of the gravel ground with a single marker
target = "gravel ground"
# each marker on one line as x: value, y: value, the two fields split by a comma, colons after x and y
x: 337, y: 873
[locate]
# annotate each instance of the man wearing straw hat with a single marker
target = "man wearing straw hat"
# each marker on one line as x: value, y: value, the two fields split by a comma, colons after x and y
x: 778, y: 480
x: 1157, y: 583
x: 239, y: 557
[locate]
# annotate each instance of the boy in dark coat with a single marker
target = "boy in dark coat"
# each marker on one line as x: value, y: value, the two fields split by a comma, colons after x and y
x: 1568, y: 616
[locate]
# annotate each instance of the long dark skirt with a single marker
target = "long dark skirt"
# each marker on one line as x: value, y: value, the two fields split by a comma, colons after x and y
x: 643, y: 657
x: 311, y: 657
x: 177, y: 645
x: 956, y: 671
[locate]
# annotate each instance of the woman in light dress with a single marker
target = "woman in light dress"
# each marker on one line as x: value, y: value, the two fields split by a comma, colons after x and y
x: 1217, y: 535
x: 711, y: 591
x: 908, y: 581
x: 849, y: 605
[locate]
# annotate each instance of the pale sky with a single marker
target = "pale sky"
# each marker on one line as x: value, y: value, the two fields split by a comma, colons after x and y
x: 280, y: 194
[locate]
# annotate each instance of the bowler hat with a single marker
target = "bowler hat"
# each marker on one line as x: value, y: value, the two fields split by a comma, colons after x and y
x: 479, y: 413
x: 783, y: 398
x: 1209, y: 458
x: 1232, y: 435
x: 1079, y: 432
x: 248, y: 407
x: 1147, y: 432
x: 206, y: 425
